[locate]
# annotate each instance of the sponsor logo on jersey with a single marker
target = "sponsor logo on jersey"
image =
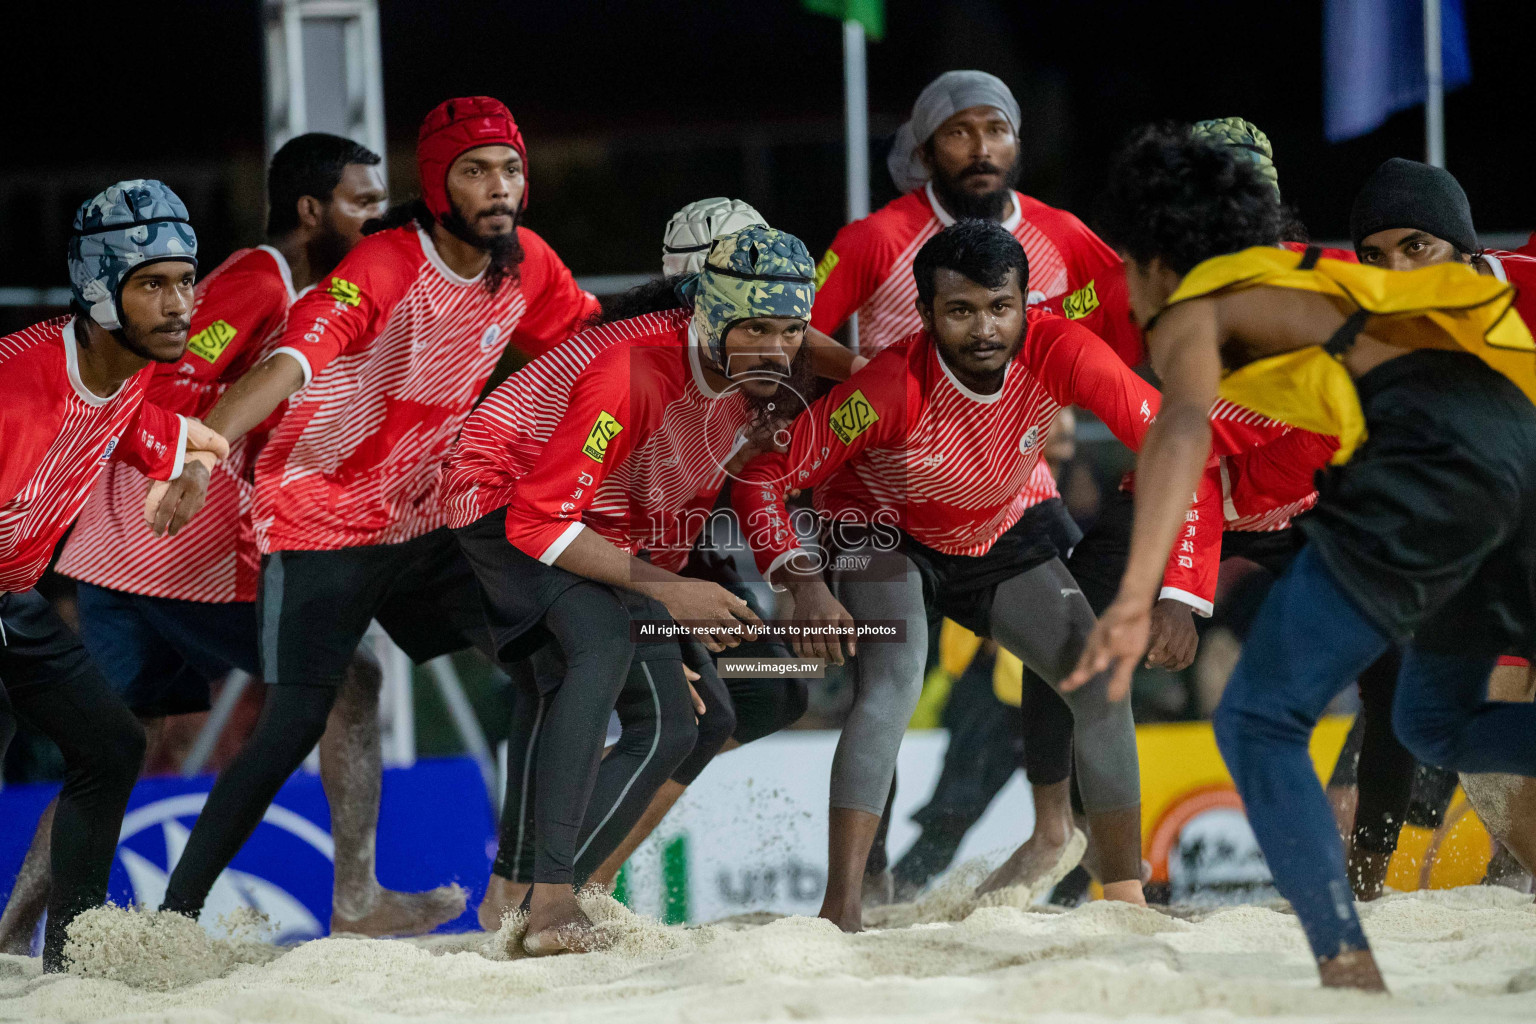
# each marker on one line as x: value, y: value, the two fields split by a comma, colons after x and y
x: 106, y: 453
x: 828, y: 262
x: 210, y: 342
x: 1081, y: 302
x: 344, y: 291
x: 853, y: 417
x: 604, y: 430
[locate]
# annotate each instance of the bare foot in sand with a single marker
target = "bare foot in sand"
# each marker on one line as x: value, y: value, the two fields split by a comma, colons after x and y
x: 1046, y: 854
x: 846, y: 914
x: 556, y: 922
x: 404, y: 913
x: 502, y: 895
x: 1355, y: 969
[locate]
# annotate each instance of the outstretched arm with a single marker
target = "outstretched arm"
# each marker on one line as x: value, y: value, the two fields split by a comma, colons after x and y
x: 1186, y: 355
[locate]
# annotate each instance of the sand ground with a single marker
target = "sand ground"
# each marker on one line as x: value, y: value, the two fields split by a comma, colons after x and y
x: 1465, y: 955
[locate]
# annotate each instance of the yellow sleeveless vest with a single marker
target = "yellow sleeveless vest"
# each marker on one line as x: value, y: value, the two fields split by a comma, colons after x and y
x: 1449, y: 306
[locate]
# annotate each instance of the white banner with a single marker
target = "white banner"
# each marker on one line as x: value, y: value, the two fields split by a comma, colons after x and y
x: 751, y: 833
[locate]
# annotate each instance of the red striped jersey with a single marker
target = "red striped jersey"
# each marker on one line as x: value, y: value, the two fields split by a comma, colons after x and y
x: 56, y: 435
x: 1257, y: 490
x: 241, y: 307
x: 906, y: 444
x: 868, y: 271
x: 617, y: 431
x: 396, y: 348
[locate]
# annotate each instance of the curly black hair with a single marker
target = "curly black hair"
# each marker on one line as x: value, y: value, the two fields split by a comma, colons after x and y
x: 656, y: 296
x: 1185, y: 200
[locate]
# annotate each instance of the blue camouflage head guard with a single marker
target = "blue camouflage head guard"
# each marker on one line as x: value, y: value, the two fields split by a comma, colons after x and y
x: 757, y: 271
x: 127, y: 226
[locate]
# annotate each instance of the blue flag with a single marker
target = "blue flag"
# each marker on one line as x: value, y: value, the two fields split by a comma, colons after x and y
x: 1373, y: 60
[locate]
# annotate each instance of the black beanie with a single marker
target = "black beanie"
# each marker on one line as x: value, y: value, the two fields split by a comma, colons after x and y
x: 1407, y: 194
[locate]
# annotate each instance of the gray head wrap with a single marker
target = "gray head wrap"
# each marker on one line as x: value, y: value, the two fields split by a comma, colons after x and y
x: 945, y: 96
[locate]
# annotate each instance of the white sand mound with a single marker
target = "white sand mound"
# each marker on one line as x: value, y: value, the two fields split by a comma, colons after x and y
x: 163, y: 950
x: 1465, y: 955
x: 953, y: 897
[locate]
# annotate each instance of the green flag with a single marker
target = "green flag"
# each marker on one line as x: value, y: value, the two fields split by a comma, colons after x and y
x: 869, y: 13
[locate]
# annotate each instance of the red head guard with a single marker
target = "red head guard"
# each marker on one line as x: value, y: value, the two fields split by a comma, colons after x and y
x: 452, y: 129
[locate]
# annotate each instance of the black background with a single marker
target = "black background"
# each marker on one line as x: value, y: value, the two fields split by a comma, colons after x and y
x: 632, y: 109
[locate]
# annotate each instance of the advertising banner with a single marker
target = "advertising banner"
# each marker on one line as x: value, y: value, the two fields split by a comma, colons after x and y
x: 749, y: 836
x: 435, y: 827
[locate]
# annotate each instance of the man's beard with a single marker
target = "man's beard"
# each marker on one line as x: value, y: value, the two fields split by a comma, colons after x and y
x: 134, y: 341
x: 964, y: 204
x: 506, y: 251
x: 777, y: 410
x: 326, y: 250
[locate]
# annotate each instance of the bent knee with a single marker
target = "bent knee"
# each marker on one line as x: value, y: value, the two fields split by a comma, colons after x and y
x: 679, y: 735
x: 1431, y: 739
x: 715, y: 727
x: 364, y: 679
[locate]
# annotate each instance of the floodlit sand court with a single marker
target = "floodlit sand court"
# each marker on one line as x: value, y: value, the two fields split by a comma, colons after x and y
x: 1466, y: 955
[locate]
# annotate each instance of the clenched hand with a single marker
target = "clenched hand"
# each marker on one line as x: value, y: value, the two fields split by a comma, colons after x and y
x: 169, y: 505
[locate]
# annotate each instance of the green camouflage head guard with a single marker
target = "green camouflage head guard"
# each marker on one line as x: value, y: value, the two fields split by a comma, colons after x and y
x: 1246, y: 138
x: 757, y: 271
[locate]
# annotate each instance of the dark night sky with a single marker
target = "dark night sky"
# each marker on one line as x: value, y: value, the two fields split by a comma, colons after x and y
x: 126, y: 90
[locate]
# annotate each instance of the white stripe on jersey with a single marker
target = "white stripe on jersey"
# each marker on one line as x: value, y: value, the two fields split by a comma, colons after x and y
x: 657, y: 499
x: 961, y: 453
x: 34, y: 518
x: 112, y: 547
x: 357, y: 458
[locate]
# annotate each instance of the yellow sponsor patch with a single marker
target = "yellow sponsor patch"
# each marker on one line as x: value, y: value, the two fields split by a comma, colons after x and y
x: 824, y: 268
x: 1081, y: 302
x: 211, y: 341
x: 853, y: 417
x: 345, y: 291
x: 604, y: 430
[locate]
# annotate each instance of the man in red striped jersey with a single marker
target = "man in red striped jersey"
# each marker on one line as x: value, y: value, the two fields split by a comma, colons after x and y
x: 380, y: 365
x: 579, y: 488
x: 919, y: 463
x: 759, y: 706
x: 958, y: 156
x: 164, y: 616
x: 71, y: 399
x: 1243, y: 508
x: 1097, y: 560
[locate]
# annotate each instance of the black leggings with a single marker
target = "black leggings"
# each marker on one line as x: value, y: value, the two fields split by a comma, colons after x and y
x: 47, y: 679
x: 739, y: 708
x: 567, y: 806
x: 1394, y: 789
x: 719, y: 721
x: 292, y: 720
